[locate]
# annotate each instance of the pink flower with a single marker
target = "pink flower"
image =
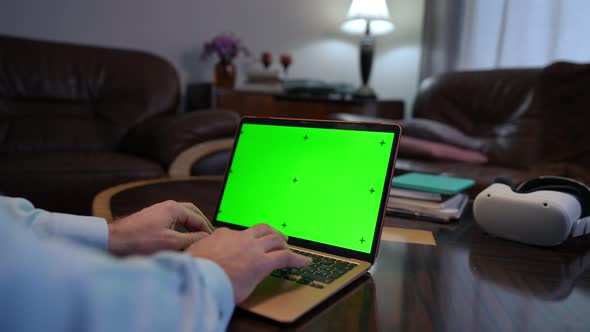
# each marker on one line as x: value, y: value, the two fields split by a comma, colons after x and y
x: 226, y: 46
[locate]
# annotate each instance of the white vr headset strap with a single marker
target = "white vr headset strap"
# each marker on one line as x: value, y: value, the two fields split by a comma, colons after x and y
x: 581, y: 227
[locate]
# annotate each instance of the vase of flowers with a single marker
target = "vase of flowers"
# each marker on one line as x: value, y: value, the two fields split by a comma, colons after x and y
x: 226, y: 47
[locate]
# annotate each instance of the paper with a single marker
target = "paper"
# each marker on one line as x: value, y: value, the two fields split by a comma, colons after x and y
x: 405, y: 235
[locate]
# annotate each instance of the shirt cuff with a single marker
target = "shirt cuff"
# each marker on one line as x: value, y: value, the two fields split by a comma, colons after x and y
x: 219, y: 284
x: 92, y: 231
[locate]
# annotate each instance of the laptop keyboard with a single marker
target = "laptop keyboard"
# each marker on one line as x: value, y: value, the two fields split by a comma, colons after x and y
x: 322, y: 269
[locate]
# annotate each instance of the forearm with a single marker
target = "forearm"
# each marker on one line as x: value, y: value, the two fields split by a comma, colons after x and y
x: 54, y: 285
x: 90, y: 231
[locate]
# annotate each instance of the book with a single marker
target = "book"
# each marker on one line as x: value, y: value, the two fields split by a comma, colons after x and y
x: 445, y: 215
x: 440, y: 184
x: 416, y: 194
x: 404, y: 202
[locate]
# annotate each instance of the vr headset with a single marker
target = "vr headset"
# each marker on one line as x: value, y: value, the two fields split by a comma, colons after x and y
x: 544, y: 211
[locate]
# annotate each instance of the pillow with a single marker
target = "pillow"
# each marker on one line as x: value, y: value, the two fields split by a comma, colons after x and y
x: 422, y: 128
x: 439, y: 132
x: 419, y: 148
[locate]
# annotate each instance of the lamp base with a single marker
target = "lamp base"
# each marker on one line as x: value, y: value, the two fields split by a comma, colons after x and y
x: 365, y: 92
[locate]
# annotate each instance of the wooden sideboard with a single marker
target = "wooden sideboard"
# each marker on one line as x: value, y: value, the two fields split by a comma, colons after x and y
x: 283, y: 105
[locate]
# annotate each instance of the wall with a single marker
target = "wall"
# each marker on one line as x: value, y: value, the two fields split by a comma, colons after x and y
x: 176, y: 30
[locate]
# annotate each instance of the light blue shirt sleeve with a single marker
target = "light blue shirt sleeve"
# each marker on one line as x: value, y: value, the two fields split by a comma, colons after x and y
x: 53, y: 284
x: 90, y: 231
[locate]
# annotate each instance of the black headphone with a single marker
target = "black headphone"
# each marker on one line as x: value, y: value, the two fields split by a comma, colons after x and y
x: 577, y: 189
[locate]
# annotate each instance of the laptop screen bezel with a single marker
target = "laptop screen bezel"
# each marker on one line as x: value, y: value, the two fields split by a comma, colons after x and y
x: 328, y: 124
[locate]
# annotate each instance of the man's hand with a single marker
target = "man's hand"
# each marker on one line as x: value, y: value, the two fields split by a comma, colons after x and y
x: 247, y: 256
x: 152, y: 229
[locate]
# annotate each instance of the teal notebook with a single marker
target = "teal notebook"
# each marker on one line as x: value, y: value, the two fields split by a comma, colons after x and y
x: 432, y: 183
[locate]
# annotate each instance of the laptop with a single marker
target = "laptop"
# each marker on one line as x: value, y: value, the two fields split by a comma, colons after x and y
x: 323, y: 183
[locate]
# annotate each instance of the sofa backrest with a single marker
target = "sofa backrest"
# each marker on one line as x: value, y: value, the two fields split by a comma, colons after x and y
x: 66, y: 97
x: 492, y: 105
x: 562, y: 100
x: 525, y: 117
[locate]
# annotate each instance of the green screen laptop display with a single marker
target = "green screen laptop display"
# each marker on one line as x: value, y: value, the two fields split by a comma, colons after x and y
x: 318, y: 184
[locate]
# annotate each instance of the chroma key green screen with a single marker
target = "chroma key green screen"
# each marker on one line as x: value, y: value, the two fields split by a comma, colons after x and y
x: 317, y: 184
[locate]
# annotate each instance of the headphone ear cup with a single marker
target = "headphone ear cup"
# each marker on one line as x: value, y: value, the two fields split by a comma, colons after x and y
x: 557, y: 183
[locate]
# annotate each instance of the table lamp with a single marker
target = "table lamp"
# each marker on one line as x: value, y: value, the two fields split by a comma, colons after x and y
x: 367, y: 17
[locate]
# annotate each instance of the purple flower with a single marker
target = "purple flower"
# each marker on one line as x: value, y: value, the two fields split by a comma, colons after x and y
x: 226, y: 46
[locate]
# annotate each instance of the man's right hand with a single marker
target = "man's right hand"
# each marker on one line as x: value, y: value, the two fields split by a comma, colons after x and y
x: 247, y: 256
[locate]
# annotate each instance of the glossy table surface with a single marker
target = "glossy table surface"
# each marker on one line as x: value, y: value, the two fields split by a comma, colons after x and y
x: 469, y: 281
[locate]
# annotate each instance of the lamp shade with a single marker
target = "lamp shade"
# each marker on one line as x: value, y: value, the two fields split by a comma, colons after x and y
x: 372, y: 12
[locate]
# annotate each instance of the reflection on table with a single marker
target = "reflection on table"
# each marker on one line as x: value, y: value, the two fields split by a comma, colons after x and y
x: 467, y: 281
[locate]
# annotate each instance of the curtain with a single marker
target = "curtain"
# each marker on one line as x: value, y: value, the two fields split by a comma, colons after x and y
x: 441, y: 36
x: 486, y: 34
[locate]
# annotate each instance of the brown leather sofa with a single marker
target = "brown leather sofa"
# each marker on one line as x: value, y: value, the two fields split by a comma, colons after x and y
x: 77, y: 119
x: 528, y: 122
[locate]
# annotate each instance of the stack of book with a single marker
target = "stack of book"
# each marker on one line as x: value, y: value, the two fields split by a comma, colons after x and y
x: 428, y: 197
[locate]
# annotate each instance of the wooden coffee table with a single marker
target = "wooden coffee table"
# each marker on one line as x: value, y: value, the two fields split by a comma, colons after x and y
x: 466, y: 281
x: 124, y: 199
x: 203, y: 191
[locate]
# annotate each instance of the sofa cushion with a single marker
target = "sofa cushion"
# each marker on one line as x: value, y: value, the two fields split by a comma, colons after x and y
x: 424, y: 149
x: 427, y: 129
x: 76, y: 176
x: 54, y: 128
x: 440, y: 132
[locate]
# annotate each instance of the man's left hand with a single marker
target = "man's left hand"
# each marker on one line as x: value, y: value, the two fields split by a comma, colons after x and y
x: 153, y: 229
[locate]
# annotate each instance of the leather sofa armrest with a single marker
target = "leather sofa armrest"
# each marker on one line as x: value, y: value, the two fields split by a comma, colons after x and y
x: 166, y: 137
x: 183, y: 163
